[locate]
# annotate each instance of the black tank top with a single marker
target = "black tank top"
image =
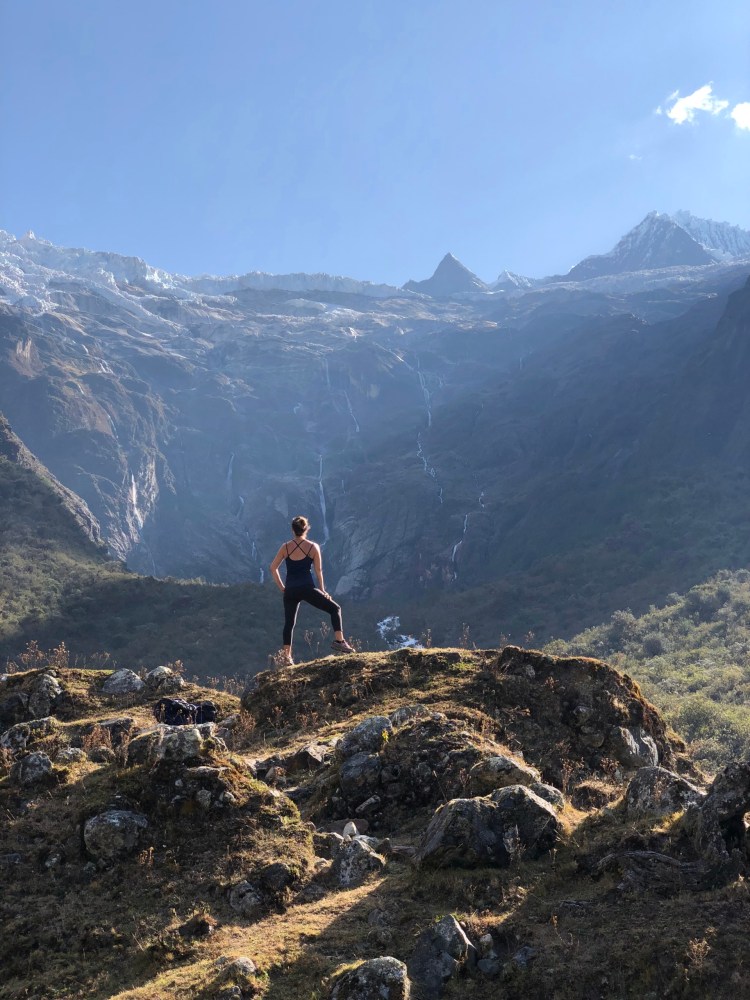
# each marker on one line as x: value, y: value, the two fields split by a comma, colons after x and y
x: 298, y: 571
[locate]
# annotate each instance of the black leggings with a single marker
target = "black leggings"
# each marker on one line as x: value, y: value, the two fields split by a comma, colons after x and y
x: 294, y: 597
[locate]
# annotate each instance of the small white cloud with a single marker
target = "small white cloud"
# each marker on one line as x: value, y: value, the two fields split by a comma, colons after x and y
x: 684, y: 108
x: 634, y: 156
x: 741, y: 115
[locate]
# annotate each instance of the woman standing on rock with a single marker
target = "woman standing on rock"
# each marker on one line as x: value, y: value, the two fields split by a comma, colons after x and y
x: 300, y: 555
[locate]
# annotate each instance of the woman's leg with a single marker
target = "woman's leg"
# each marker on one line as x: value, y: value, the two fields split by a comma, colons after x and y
x: 319, y: 600
x: 291, y: 607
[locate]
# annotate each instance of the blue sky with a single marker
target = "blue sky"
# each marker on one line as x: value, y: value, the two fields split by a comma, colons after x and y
x: 368, y: 138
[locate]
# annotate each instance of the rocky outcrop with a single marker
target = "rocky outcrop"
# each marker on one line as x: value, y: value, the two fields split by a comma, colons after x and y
x: 376, y: 979
x: 439, y: 954
x: 367, y: 737
x: 511, y: 823
x: 163, y: 680
x: 25, y: 734
x: 123, y: 682
x: 114, y: 834
x: 661, y: 792
x: 354, y: 861
x: 33, y: 769
x: 498, y: 772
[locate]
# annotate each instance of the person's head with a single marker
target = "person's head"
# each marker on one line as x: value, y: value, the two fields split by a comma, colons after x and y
x: 300, y: 526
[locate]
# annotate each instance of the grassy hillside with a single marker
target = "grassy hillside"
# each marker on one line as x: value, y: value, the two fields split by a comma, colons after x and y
x: 161, y: 920
x: 692, y: 656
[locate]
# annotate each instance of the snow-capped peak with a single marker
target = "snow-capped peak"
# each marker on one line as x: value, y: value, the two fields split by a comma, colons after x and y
x: 722, y: 240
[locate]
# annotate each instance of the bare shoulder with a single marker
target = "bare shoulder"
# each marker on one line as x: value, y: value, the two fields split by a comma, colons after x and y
x: 315, y: 548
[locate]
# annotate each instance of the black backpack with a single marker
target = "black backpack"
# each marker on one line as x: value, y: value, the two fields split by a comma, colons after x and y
x: 176, y: 712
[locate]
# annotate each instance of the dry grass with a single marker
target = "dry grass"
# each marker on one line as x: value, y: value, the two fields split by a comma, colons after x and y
x: 73, y: 932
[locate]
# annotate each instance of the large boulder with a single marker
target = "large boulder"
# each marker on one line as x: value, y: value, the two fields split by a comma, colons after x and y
x: 163, y: 680
x: 14, y: 708
x: 123, y: 682
x: 359, y: 776
x: 33, y: 769
x: 144, y: 748
x: 659, y: 791
x: 354, y: 861
x: 18, y: 737
x: 408, y: 712
x: 498, y: 772
x: 46, y: 694
x: 439, y: 954
x: 113, y: 834
x: 463, y: 832
x: 181, y: 744
x: 377, y: 979
x: 367, y: 737
x: 633, y: 747
x: 510, y: 823
x: 528, y: 821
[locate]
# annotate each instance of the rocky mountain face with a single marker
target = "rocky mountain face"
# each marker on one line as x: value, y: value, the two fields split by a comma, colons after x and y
x: 386, y: 826
x: 663, y: 241
x: 449, y: 451
x: 451, y: 278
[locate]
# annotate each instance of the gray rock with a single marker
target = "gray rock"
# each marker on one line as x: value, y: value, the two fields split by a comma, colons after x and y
x: 489, y: 967
x: 438, y: 955
x: 308, y: 757
x: 549, y: 793
x: 528, y: 818
x: 102, y: 755
x: 657, y: 790
x: 633, y: 747
x: 15, y: 708
x: 18, y: 737
x: 369, y: 806
x: 510, y: 823
x: 31, y: 770
x: 163, y: 680
x: 367, y: 737
x: 144, y: 748
x: 181, y: 743
x: 499, y: 772
x: 70, y: 755
x: 239, y: 971
x: 524, y: 956
x: 359, y: 776
x: 377, y: 979
x: 245, y: 898
x: 113, y: 834
x: 45, y: 696
x: 463, y: 832
x: 123, y: 682
x: 354, y: 861
x: 408, y: 712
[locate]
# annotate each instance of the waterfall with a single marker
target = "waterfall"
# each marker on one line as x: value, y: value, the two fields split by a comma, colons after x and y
x: 425, y: 392
x: 242, y: 507
x: 134, y: 501
x: 326, y: 533
x: 457, y: 546
x: 351, y: 412
x: 230, y: 467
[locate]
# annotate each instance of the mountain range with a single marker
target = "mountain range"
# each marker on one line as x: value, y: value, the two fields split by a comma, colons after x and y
x: 537, y: 452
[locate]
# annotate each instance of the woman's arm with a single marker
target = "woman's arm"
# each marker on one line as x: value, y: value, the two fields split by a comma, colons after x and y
x: 275, y: 569
x: 318, y: 564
